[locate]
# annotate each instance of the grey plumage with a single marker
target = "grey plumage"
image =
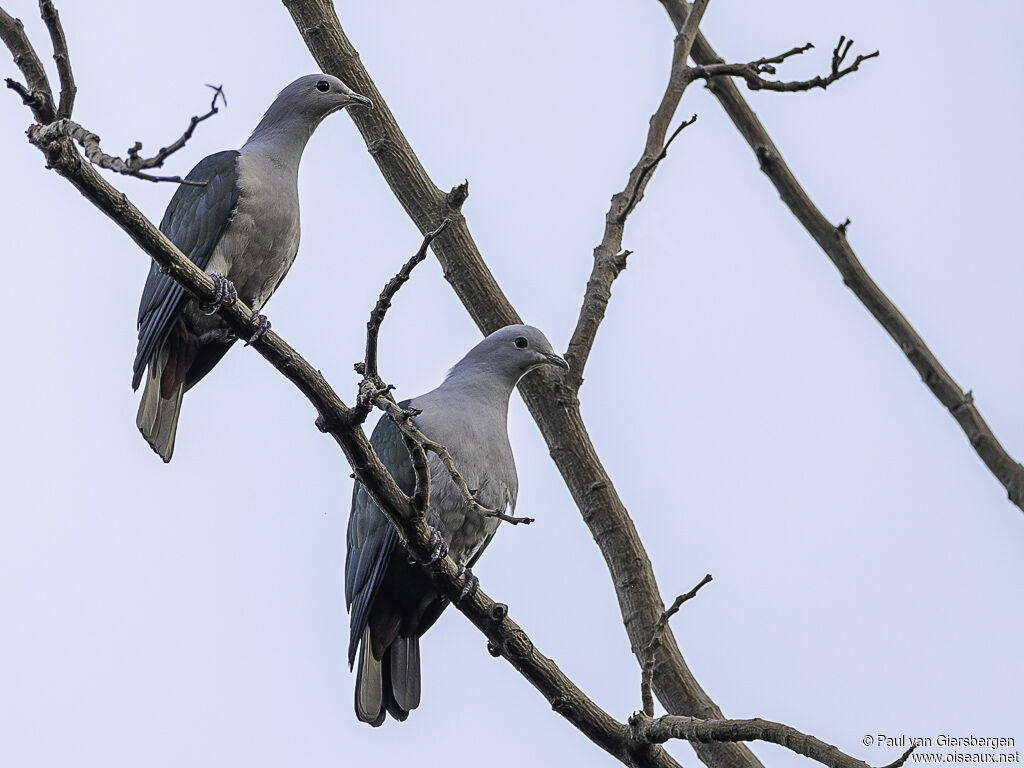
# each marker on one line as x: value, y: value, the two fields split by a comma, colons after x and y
x: 243, y: 225
x: 392, y: 601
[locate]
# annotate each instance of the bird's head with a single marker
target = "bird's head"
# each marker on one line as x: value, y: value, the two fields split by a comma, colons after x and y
x: 510, y: 353
x: 316, y: 96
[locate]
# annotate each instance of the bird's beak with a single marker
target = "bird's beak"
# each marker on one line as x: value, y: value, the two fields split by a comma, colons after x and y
x: 355, y: 98
x: 554, y: 359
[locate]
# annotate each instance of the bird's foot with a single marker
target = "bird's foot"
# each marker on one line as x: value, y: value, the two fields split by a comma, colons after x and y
x: 440, y: 546
x: 262, y: 326
x: 224, y: 296
x: 471, y: 585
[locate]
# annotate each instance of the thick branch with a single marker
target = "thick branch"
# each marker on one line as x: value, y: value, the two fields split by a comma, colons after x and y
x: 660, y: 730
x: 135, y: 163
x: 552, y: 405
x: 90, y: 142
x: 36, y: 92
x: 832, y: 240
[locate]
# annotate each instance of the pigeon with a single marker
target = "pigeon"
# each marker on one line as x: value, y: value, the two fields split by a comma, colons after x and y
x: 239, y: 222
x: 391, y: 599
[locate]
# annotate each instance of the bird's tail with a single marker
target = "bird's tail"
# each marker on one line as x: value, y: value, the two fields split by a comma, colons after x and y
x: 369, y: 685
x: 161, y: 404
x: 390, y: 684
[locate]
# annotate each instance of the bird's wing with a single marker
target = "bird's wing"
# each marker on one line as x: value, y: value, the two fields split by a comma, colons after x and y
x: 194, y: 221
x: 371, y: 538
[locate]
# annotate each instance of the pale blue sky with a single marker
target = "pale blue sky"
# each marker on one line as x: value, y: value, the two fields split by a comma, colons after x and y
x: 757, y: 421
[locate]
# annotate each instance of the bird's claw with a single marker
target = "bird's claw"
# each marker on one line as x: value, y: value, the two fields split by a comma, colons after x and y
x: 262, y: 326
x: 471, y: 585
x: 440, y: 547
x: 224, y: 295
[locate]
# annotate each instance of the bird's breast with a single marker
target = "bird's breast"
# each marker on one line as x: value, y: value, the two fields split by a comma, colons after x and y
x: 262, y: 237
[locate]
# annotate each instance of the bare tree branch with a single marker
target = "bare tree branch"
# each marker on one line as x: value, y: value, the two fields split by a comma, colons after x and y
x: 692, y: 729
x: 403, y: 419
x: 649, y: 167
x: 832, y: 240
x: 368, y: 367
x: 609, y: 259
x: 136, y: 163
x: 90, y: 142
x: 60, y: 55
x: 36, y: 93
x: 751, y: 72
x: 647, y: 674
x: 609, y: 262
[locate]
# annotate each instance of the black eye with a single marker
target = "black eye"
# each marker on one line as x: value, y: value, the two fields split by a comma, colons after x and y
x: 323, y: 86
x: 521, y: 342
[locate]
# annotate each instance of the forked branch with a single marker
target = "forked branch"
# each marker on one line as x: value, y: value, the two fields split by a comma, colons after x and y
x: 135, y: 163
x: 752, y: 72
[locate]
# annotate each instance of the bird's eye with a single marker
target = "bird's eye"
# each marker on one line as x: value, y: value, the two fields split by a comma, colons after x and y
x: 323, y: 86
x: 521, y: 342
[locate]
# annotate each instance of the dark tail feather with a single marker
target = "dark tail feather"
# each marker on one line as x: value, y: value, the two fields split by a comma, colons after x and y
x: 403, y: 674
x: 161, y: 404
x: 369, y: 679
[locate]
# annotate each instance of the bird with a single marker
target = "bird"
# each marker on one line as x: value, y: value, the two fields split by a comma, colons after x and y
x: 390, y: 598
x: 238, y: 220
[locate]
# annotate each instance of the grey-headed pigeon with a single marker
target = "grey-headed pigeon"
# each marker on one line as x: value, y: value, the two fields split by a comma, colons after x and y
x: 241, y: 227
x: 392, y: 600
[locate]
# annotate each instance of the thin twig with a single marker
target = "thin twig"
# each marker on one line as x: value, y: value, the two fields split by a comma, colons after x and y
x: 510, y: 518
x: 136, y: 163
x: 647, y: 671
x: 609, y: 258
x: 60, y: 55
x: 90, y: 143
x: 752, y: 71
x: 403, y: 419
x: 369, y: 365
x: 28, y: 98
x: 649, y: 167
x: 899, y: 761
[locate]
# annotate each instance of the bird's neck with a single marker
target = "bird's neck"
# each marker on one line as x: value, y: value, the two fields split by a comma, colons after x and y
x: 480, y: 391
x: 280, y: 139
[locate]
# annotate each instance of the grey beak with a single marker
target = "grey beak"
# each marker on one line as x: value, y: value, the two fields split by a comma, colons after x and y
x: 554, y: 359
x: 355, y: 98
